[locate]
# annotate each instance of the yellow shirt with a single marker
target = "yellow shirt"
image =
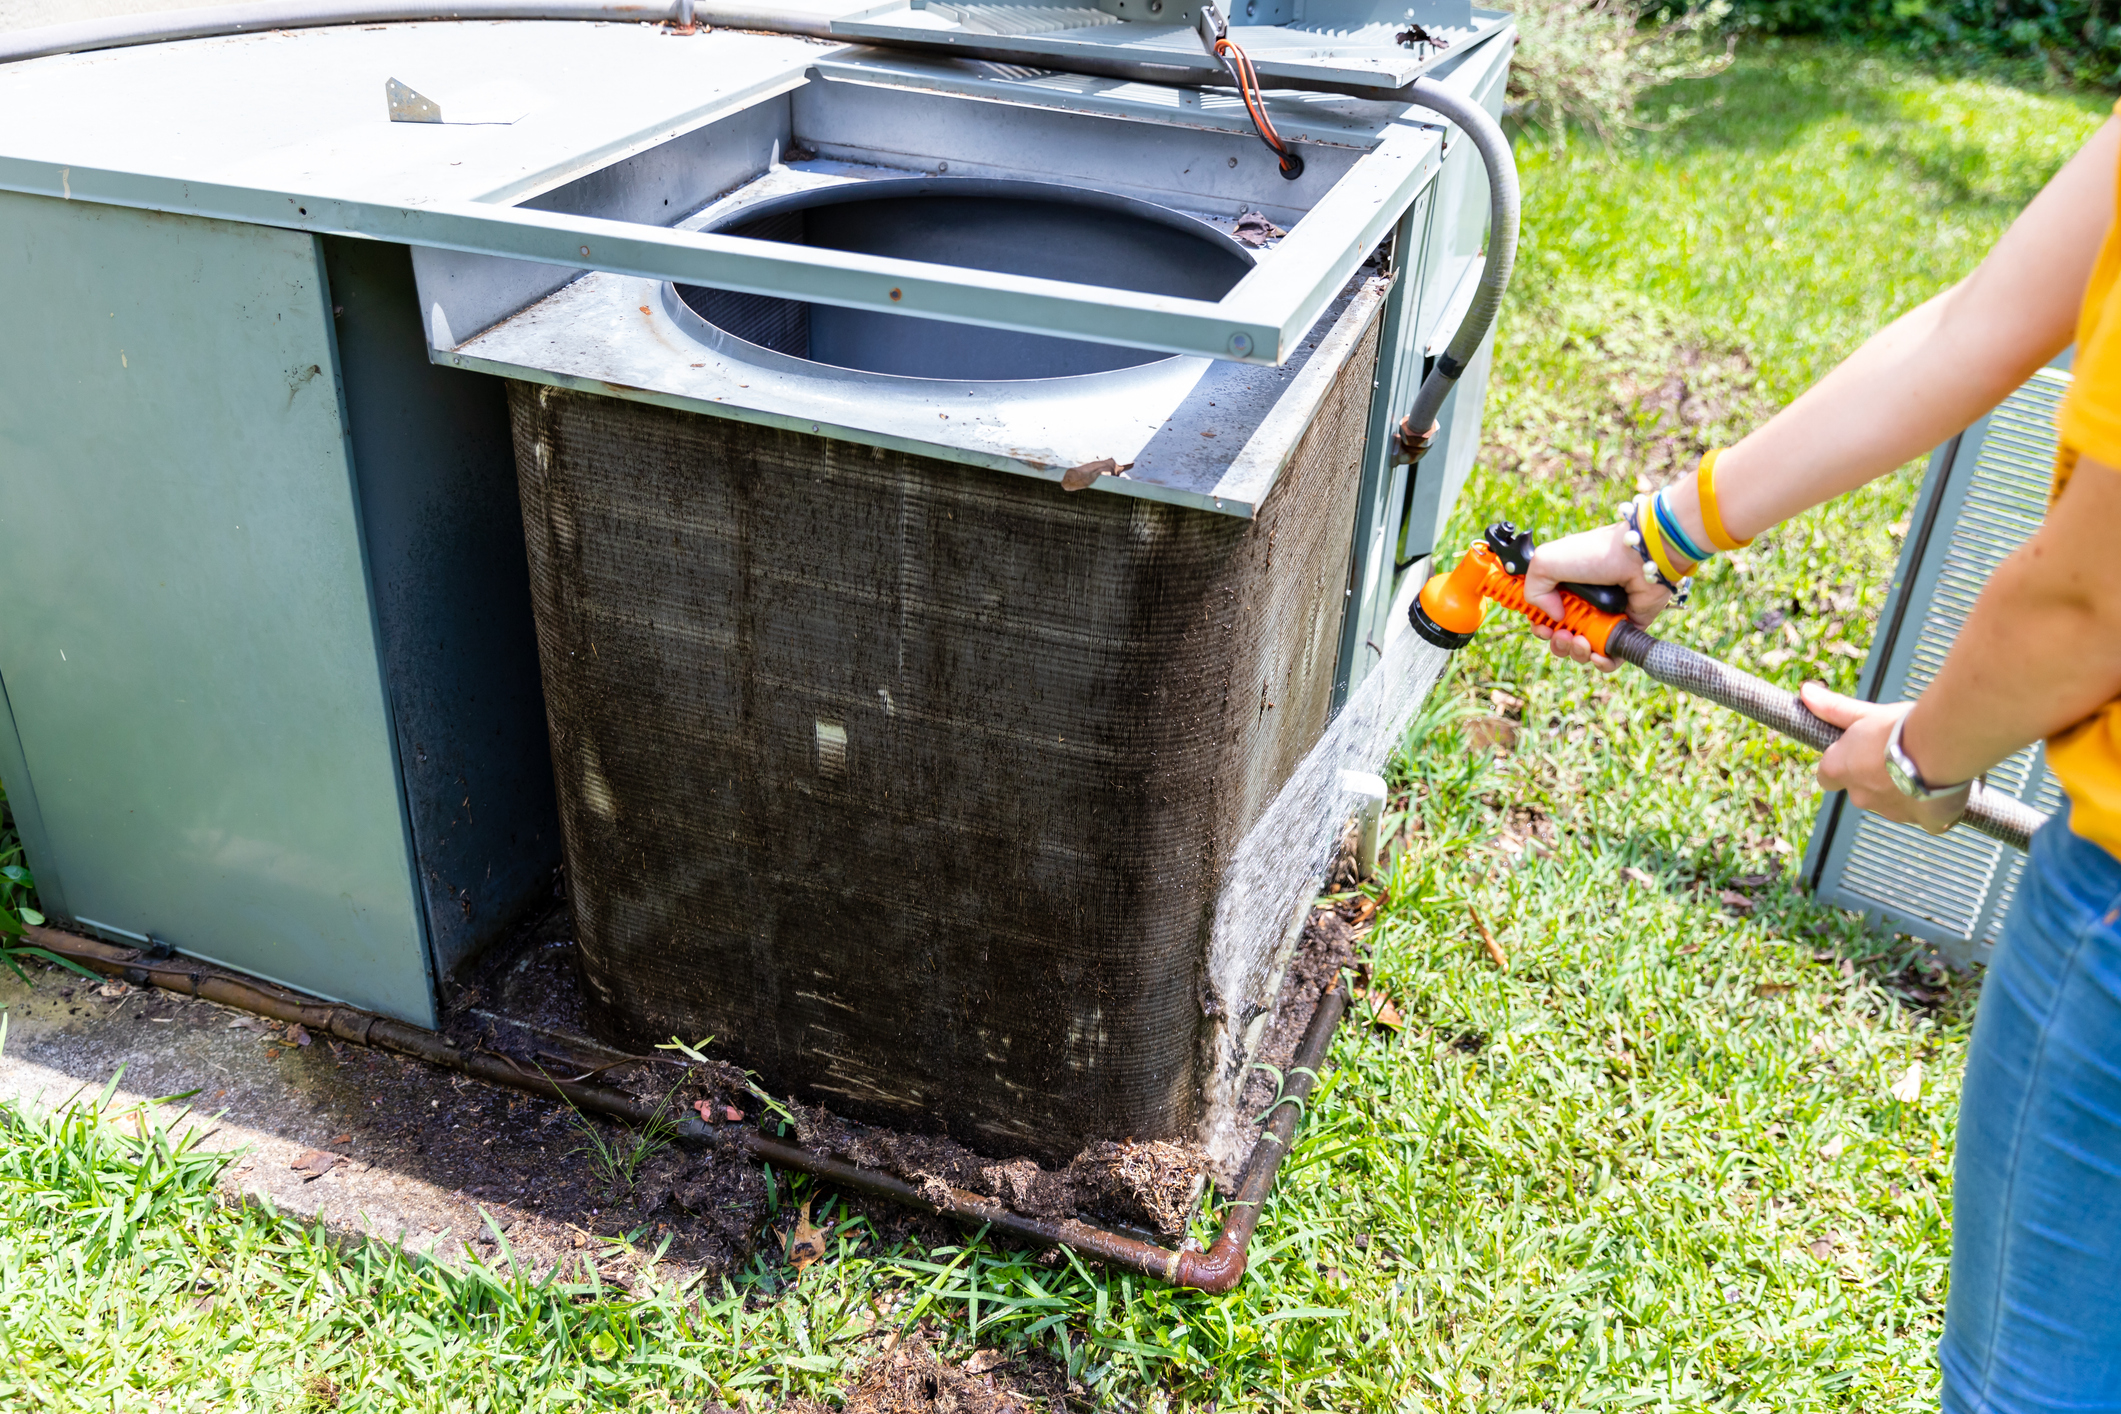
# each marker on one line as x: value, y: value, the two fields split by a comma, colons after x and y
x: 2086, y: 759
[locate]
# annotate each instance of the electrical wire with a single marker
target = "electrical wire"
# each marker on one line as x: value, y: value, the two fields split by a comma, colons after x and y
x: 1242, y: 74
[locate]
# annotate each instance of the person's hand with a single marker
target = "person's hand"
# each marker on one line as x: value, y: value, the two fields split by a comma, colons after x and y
x: 1856, y: 763
x: 1601, y: 556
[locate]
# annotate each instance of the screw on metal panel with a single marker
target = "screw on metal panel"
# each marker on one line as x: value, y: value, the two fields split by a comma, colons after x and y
x: 1240, y: 343
x: 1156, y: 7
x: 895, y: 294
x: 1233, y: 162
x: 585, y: 250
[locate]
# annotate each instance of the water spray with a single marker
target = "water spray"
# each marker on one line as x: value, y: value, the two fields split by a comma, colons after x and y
x: 1451, y: 606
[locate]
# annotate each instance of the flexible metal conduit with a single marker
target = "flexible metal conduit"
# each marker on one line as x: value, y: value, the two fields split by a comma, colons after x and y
x: 1214, y: 1271
x: 1504, y: 202
x: 122, y: 31
x: 1999, y: 816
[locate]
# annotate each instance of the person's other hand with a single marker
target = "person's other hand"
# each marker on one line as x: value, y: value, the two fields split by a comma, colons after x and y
x: 1856, y: 763
x: 1600, y: 556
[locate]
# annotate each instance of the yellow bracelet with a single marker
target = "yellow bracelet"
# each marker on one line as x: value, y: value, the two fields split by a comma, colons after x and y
x: 1653, y: 541
x: 1711, y: 515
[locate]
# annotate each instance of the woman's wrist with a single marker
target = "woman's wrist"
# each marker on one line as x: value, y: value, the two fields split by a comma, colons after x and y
x: 1928, y: 742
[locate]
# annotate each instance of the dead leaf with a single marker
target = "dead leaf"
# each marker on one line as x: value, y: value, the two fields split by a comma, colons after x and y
x: 342, y: 1139
x: 1254, y: 229
x: 1772, y: 989
x: 1730, y: 898
x: 709, y: 1112
x: 113, y: 988
x: 1495, y: 953
x: 1908, y: 1088
x: 1781, y: 846
x: 806, y: 1243
x: 313, y: 1164
x: 1835, y: 1147
x: 1481, y: 733
x: 984, y: 1360
x: 1637, y: 876
x: 1842, y: 648
x: 1076, y: 478
x: 247, y: 1023
x: 1507, y: 703
x: 1821, y: 1248
x: 1751, y: 881
x: 1383, y: 1013
x: 300, y: 1035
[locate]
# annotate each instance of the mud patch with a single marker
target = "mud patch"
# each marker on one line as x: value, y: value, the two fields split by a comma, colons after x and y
x: 1152, y: 1185
x: 912, y: 1379
x: 1330, y: 942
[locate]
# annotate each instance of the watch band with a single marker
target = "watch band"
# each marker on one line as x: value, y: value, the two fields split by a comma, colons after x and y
x: 1906, y: 776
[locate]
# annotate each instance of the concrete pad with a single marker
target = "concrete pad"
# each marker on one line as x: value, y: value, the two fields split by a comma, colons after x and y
x: 413, y: 1154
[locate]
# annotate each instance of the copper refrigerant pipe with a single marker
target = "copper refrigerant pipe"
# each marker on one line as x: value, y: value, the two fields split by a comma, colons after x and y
x: 1216, y: 1270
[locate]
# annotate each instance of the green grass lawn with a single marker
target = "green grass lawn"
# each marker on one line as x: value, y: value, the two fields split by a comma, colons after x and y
x: 1655, y: 1164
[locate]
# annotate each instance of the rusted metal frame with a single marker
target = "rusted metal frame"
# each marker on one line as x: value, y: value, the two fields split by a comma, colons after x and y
x: 1214, y: 1271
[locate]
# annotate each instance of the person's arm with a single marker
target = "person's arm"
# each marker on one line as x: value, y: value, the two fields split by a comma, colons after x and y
x: 2040, y: 652
x: 1922, y: 378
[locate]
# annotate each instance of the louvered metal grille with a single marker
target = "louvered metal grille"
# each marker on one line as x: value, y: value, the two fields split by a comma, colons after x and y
x: 1986, y: 494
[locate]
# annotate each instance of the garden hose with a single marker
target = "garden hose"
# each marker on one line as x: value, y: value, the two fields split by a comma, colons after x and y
x: 1451, y: 606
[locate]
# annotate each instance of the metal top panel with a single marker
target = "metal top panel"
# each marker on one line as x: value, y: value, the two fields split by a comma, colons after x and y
x: 303, y: 111
x: 292, y: 129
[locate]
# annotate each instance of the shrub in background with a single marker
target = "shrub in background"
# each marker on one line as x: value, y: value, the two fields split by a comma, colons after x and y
x: 1590, y: 61
x: 2079, y: 40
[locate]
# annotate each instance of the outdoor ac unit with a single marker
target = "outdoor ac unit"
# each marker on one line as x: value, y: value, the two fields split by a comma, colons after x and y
x: 1985, y: 493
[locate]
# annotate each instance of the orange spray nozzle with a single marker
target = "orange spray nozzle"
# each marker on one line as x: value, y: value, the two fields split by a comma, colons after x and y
x: 1451, y: 605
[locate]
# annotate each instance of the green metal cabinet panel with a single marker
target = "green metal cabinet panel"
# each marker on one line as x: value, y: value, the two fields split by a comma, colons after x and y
x: 179, y: 528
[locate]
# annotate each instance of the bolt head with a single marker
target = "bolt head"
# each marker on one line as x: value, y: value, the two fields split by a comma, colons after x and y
x: 1241, y: 343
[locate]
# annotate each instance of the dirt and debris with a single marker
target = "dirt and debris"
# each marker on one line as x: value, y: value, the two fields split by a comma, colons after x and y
x: 1255, y: 230
x: 1328, y: 945
x: 1079, y: 478
x: 806, y: 1240
x: 1148, y: 1184
x: 1490, y: 733
x: 911, y: 1377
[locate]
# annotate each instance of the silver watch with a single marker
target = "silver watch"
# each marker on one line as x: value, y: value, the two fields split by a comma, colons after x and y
x: 1906, y: 778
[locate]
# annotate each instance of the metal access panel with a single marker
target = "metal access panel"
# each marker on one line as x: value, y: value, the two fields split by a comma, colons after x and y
x: 1441, y: 246
x: 189, y: 653
x: 1984, y: 495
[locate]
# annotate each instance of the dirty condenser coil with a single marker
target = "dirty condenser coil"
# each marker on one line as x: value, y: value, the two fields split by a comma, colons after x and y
x: 912, y: 774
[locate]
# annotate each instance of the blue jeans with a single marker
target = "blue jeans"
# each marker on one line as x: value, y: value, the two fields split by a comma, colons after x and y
x: 2033, y: 1319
